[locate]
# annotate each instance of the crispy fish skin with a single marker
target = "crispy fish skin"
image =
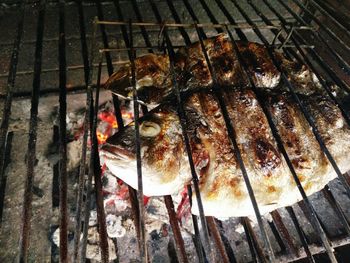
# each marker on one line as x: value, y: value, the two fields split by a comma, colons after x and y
x: 154, y: 80
x: 223, y: 191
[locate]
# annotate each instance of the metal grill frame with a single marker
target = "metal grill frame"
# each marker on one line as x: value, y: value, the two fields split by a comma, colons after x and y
x: 90, y: 124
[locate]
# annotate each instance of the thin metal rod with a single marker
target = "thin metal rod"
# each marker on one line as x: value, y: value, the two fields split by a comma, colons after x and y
x: 232, y: 136
x: 82, y: 164
x: 143, y: 29
x: 116, y: 102
x: 187, y: 25
x: 183, y: 122
x: 301, y: 234
x: 3, y: 176
x: 143, y: 246
x: 62, y: 136
x: 210, y: 15
x: 6, y: 114
x: 239, y: 32
x: 87, y: 126
x: 96, y: 168
x: 177, y: 20
x: 314, y: 221
x: 180, y: 246
x: 31, y: 152
x: 194, y: 17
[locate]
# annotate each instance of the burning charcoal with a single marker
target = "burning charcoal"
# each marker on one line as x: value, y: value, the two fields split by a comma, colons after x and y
x: 114, y: 226
x: 93, y: 218
x: 73, y: 154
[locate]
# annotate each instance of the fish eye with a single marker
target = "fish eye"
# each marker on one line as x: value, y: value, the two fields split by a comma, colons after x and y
x: 149, y: 129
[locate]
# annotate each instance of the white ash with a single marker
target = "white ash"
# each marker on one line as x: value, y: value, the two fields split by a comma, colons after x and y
x: 114, y: 226
x: 93, y: 250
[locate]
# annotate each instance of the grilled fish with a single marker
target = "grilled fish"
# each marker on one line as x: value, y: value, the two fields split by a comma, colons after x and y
x: 165, y: 165
x: 154, y: 83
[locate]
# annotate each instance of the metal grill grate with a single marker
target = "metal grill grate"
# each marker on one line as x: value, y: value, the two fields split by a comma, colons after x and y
x: 293, y: 26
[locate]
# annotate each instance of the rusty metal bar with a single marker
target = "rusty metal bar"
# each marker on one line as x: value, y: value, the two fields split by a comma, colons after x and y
x: 82, y: 164
x: 6, y: 114
x: 213, y: 228
x: 3, y: 176
x: 96, y: 168
x: 283, y: 231
x: 62, y: 136
x: 180, y: 246
x: 31, y: 151
x: 87, y: 126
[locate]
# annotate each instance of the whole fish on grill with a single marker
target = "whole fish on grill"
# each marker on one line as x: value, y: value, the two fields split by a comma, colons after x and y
x: 165, y: 165
x: 154, y: 83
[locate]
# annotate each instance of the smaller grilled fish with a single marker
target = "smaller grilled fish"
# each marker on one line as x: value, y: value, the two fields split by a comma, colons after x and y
x: 153, y: 79
x: 165, y: 164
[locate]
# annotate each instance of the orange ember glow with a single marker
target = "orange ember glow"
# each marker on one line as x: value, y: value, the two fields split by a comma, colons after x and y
x: 108, y: 122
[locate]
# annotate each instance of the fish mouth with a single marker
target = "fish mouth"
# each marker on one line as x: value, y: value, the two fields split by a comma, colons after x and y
x: 116, y: 153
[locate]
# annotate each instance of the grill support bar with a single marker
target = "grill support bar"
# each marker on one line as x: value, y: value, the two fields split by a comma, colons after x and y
x: 31, y: 151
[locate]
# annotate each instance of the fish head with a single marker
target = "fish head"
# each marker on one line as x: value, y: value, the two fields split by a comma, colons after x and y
x: 165, y: 168
x: 152, y: 79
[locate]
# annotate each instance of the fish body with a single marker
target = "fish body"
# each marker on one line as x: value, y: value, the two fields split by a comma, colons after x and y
x: 165, y: 164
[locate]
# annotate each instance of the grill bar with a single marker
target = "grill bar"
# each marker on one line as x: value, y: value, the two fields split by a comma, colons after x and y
x: 217, y: 238
x: 282, y: 230
x: 180, y: 246
x: 143, y: 246
x: 314, y: 220
x: 177, y: 20
x: 87, y: 126
x: 96, y: 168
x: 31, y: 152
x: 210, y: 15
x: 183, y: 121
x: 62, y: 137
x: 9, y: 91
x: 82, y: 164
x: 3, y: 176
